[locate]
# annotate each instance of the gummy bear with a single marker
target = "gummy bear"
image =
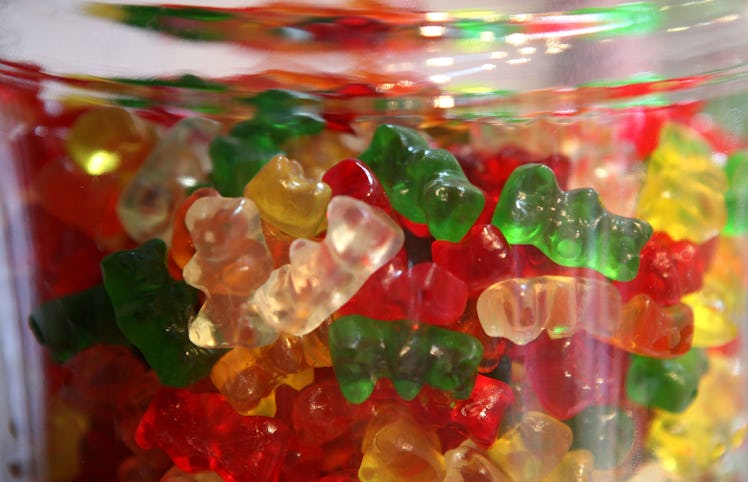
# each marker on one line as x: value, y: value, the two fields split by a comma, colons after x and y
x: 152, y: 311
x: 397, y: 449
x: 736, y: 197
x: 646, y: 328
x: 718, y: 308
x: 519, y: 309
x: 231, y: 261
x: 246, y: 376
x: 200, y: 432
x: 74, y: 322
x: 683, y: 191
x: 669, y: 269
x: 322, y: 277
x: 482, y: 258
x: 468, y: 463
x: 182, y: 248
x: 351, y: 177
x: 478, y: 417
x: 570, y: 374
x: 699, y: 442
x: 238, y: 156
x: 85, y: 202
x: 576, y: 466
x: 666, y: 384
x: 608, y: 432
x: 572, y: 228
x: 178, y: 162
x: 288, y: 199
x: 491, y: 171
x: 108, y: 139
x: 321, y: 413
x: 424, y: 185
x: 532, y: 448
x: 364, y: 350
x: 425, y: 292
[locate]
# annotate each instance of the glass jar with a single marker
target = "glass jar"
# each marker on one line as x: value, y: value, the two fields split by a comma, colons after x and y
x: 380, y: 241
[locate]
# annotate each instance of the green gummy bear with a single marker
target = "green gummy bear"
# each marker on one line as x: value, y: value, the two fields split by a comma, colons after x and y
x: 572, y: 228
x: 72, y: 323
x: 236, y: 160
x: 670, y: 384
x: 238, y: 156
x: 153, y: 310
x: 364, y: 350
x: 427, y: 186
x: 608, y: 432
x: 736, y: 197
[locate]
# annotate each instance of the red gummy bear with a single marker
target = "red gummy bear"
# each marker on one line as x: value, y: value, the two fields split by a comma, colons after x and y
x: 491, y: 172
x: 426, y: 292
x: 571, y: 374
x: 321, y: 413
x: 351, y: 177
x: 200, y: 431
x: 669, y: 269
x: 482, y: 258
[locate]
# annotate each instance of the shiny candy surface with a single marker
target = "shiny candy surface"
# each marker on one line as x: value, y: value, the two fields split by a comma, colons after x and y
x: 322, y: 276
x: 364, y: 350
x: 288, y: 199
x: 178, y: 162
x: 231, y: 261
x: 424, y: 185
x: 680, y: 168
x: 570, y: 227
x: 519, y: 309
x: 152, y: 311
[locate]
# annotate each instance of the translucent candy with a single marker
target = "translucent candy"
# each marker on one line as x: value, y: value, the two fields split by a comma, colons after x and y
x: 468, y: 463
x: 246, y: 376
x: 288, y: 199
x: 570, y: 227
x: 178, y: 162
x: 519, y: 309
x: 364, y: 350
x: 718, y: 308
x: 322, y: 276
x: 152, y: 310
x: 697, y: 442
x: 107, y: 139
x: 531, y: 449
x: 400, y: 450
x: 576, y: 466
x: 231, y: 261
x: 683, y: 191
x: 426, y: 186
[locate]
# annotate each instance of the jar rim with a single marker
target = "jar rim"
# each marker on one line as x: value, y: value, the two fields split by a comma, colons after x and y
x: 466, y: 57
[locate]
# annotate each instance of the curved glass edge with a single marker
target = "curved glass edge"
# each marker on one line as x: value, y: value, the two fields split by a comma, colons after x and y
x: 21, y: 374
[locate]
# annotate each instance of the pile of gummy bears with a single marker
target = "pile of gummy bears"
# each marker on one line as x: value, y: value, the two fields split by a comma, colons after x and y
x: 307, y: 297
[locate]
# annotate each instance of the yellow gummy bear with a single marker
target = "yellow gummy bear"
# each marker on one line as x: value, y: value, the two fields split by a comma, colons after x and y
x: 720, y: 305
x: 701, y: 441
x: 288, y: 199
x: 65, y: 427
x: 107, y: 139
x: 683, y: 194
x: 576, y: 466
x: 529, y: 451
x: 396, y: 448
